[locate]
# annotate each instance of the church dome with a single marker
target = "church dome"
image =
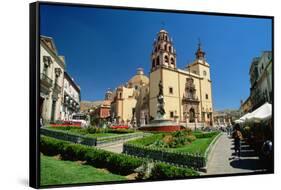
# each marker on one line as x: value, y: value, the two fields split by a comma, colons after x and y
x: 139, y: 78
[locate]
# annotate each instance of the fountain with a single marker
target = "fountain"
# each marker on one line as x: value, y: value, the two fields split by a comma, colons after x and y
x: 161, y: 124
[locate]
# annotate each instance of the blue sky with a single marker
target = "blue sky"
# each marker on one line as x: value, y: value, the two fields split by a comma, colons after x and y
x: 104, y: 47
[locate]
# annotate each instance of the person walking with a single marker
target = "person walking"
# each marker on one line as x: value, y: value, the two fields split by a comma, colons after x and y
x: 237, y: 136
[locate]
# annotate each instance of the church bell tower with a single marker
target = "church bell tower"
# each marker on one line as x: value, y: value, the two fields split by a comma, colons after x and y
x: 163, y: 54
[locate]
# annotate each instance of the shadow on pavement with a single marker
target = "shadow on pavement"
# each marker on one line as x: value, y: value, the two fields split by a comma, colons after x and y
x: 248, y: 164
x: 249, y: 158
x: 246, y: 153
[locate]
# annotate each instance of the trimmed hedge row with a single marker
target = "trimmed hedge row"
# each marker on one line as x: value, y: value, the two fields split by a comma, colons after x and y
x: 186, y: 159
x: 165, y: 171
x: 116, y: 163
x: 84, y: 139
x: 66, y: 136
x: 121, y: 164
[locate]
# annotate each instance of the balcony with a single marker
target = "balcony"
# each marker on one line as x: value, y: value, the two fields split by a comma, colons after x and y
x: 57, y: 88
x: 45, y: 80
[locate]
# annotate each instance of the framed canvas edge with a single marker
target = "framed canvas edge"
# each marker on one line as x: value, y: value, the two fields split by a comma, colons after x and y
x: 34, y: 88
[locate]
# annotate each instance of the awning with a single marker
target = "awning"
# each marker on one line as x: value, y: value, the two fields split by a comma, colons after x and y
x: 245, y: 117
x: 238, y: 121
x: 264, y: 112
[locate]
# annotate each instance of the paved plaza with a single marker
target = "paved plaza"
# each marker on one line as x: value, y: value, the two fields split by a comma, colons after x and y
x: 223, y: 161
x: 222, y: 158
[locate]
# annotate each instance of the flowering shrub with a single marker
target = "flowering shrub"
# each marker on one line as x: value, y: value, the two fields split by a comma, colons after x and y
x: 119, y: 127
x: 174, y: 140
x: 76, y: 125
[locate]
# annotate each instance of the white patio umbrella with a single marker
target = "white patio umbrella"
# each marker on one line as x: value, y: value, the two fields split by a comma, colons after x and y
x: 264, y: 112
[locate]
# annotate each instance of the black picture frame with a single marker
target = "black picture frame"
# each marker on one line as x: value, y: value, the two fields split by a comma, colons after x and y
x: 34, y: 86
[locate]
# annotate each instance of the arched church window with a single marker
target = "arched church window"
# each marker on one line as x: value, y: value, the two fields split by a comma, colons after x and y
x: 172, y: 61
x: 170, y: 49
x: 158, y: 61
x: 159, y: 47
x: 166, y: 59
x: 204, y: 73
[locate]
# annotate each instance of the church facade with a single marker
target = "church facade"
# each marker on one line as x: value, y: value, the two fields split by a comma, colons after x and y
x: 187, y: 92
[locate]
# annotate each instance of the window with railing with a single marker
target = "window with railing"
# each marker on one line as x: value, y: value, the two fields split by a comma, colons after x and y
x: 45, y: 78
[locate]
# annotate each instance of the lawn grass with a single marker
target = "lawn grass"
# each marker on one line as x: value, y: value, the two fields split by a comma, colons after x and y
x: 198, y: 146
x: 58, y: 172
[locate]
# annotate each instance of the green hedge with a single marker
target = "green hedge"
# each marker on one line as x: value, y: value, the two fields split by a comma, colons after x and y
x: 121, y: 164
x: 165, y: 155
x: 70, y: 135
x: 165, y: 171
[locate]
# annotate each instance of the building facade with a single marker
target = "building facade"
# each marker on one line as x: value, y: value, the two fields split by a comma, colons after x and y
x: 130, y: 101
x: 261, y: 80
x: 187, y: 92
x: 52, y: 68
x: 225, y: 118
x: 71, y: 98
x: 246, y: 105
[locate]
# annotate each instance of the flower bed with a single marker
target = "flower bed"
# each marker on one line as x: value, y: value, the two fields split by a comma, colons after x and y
x: 121, y: 164
x: 66, y: 125
x: 142, y: 148
x: 119, y: 127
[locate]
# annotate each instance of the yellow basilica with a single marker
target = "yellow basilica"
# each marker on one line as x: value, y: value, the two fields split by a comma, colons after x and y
x: 187, y: 92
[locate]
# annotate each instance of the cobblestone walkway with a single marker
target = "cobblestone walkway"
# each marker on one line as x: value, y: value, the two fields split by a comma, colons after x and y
x: 223, y: 161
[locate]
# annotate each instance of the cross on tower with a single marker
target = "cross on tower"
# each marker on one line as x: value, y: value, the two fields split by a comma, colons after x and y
x: 199, y: 43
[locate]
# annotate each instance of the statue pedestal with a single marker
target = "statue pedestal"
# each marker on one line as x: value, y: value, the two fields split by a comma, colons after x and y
x: 162, y: 125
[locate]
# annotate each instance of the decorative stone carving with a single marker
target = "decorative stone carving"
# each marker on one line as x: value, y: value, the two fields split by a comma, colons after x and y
x: 190, y: 102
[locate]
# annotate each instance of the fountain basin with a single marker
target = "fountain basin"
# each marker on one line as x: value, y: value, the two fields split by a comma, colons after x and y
x: 162, y: 125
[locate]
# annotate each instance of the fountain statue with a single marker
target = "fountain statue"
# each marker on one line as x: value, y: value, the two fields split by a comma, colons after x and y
x: 160, y: 102
x: 160, y: 123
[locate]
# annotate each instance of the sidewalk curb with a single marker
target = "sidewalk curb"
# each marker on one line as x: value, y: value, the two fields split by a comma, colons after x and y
x: 210, y: 151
